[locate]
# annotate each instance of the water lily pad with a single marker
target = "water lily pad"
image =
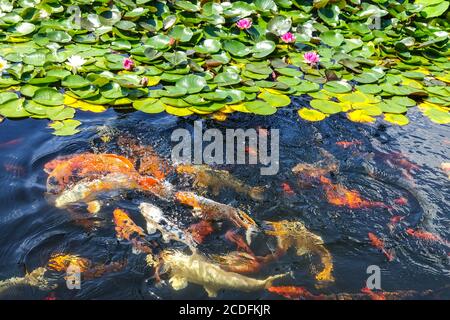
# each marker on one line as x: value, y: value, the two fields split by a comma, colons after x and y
x: 192, y: 83
x: 311, y: 115
x: 260, y: 107
x: 338, y: 86
x: 65, y: 127
x: 326, y: 106
x: 275, y: 100
x: 263, y: 48
x: 75, y: 82
x: 399, y: 119
x: 13, y: 109
x: 149, y: 105
x: 48, y: 97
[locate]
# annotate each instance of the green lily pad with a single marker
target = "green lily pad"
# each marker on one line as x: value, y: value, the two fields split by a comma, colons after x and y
x: 48, y: 97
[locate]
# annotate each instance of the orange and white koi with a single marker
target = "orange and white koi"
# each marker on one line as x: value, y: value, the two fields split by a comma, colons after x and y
x: 215, y: 180
x: 87, y: 190
x: 379, y: 244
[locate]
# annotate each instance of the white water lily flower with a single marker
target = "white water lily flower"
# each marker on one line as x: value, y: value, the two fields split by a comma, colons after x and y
x: 75, y: 62
x: 3, y: 65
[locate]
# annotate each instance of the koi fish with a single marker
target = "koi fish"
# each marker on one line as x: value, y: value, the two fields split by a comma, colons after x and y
x: 294, y: 234
x: 87, y: 190
x: 379, y: 244
x: 102, y: 269
x: 10, y: 143
x: 215, y: 180
x: 338, y: 195
x: 445, y: 166
x: 207, y: 209
x: 348, y: 144
x: 294, y: 293
x: 251, y: 151
x: 199, y: 231
x: 394, y: 221
x: 35, y: 279
x: 313, y: 171
x: 60, y: 262
x: 287, y: 189
x: 233, y: 237
x: 399, y: 159
x: 425, y: 235
x: 149, y: 162
x: 128, y: 230
x: 65, y: 170
x: 238, y: 261
x: 402, y: 201
x: 156, y: 221
x: 373, y: 295
x: 198, y: 269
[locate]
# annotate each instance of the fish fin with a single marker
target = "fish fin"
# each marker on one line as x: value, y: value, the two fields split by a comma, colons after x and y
x: 150, y: 228
x: 178, y: 283
x: 249, y: 234
x: 257, y: 193
x: 212, y: 292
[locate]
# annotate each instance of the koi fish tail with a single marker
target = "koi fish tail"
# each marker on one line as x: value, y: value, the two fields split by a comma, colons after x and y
x: 327, y: 261
x: 389, y: 253
x: 269, y: 281
x: 257, y: 193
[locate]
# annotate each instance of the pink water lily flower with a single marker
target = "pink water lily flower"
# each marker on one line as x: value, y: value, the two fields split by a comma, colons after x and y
x: 244, y: 23
x: 311, y: 58
x: 288, y: 37
x: 128, y: 64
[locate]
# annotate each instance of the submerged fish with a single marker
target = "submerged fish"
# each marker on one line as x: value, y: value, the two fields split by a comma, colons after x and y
x: 87, y: 190
x: 339, y: 195
x: 237, y: 261
x: 198, y: 269
x: 445, y: 166
x: 145, y: 157
x: 208, y: 209
x: 216, y: 180
x: 295, y: 293
x: 379, y: 244
x: 60, y: 262
x: 348, y: 144
x: 200, y: 230
x: 156, y: 221
x: 233, y: 237
x: 427, y: 236
x: 294, y: 234
x: 311, y: 173
x: 34, y: 279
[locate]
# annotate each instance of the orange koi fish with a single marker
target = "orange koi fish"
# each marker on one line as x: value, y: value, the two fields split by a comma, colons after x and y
x: 287, y: 189
x: 295, y: 293
x: 102, y: 269
x: 338, y: 195
x: 233, y: 237
x: 199, y: 231
x: 399, y: 159
x: 445, y: 166
x: 128, y: 230
x: 210, y: 210
x: 373, y: 295
x: 348, y: 144
x: 425, y: 235
x: 379, y: 244
x: 402, y: 201
x: 66, y: 170
x: 394, y: 221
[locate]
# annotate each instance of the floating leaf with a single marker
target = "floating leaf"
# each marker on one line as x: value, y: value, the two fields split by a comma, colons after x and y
x: 275, y: 100
x: 360, y: 116
x: 48, y: 97
x: 311, y: 115
x: 399, y: 119
x: 65, y: 127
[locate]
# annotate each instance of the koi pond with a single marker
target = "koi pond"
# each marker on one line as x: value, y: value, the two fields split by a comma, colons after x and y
x: 383, y: 181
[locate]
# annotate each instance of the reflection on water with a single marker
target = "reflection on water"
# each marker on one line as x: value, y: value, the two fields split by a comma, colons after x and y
x: 398, y: 168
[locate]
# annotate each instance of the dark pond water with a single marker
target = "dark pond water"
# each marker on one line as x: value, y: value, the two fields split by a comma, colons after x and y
x: 31, y: 229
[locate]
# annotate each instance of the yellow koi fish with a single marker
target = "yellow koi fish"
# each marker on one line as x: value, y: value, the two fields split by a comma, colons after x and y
x: 294, y: 234
x: 34, y: 279
x: 215, y: 180
x: 198, y: 269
